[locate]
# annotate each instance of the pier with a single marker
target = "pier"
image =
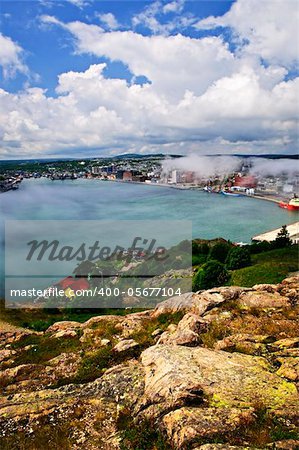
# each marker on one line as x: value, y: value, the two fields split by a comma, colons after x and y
x: 293, y: 230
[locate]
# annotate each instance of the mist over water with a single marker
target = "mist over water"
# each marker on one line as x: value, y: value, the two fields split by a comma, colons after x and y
x: 212, y: 215
x: 237, y: 218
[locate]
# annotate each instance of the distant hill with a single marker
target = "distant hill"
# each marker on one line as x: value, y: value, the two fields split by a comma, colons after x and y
x: 139, y: 156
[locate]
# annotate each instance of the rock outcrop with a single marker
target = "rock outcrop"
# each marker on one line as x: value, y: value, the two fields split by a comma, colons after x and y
x: 217, y: 369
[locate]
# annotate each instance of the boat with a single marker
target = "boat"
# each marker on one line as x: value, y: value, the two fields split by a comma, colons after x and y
x: 210, y: 190
x: 293, y: 204
x: 231, y: 194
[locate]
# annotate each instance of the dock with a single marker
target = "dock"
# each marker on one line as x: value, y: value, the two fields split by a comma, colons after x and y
x: 293, y: 230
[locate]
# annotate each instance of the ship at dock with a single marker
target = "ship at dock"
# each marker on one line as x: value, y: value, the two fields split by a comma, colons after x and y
x: 292, y: 205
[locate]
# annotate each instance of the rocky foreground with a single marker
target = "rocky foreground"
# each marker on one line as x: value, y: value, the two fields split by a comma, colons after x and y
x: 218, y: 369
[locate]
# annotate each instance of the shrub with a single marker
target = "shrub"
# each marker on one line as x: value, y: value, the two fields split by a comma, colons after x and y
x: 260, y: 247
x: 197, y: 260
x: 143, y: 435
x: 237, y: 258
x: 219, y: 251
x: 204, y: 249
x: 211, y: 274
x: 282, y: 239
x: 195, y: 248
x: 200, y: 249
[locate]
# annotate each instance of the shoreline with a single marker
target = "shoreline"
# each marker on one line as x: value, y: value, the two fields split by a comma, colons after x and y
x: 166, y: 185
x: 259, y: 196
x: 276, y: 200
x: 268, y: 199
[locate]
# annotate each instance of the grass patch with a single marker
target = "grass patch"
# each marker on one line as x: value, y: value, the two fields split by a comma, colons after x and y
x: 143, y: 435
x: 268, y: 428
x: 218, y: 329
x: 44, y: 348
x: 144, y: 335
x: 268, y: 267
x: 105, y: 329
x: 252, y: 321
x: 41, y: 319
x: 94, y: 365
x: 46, y: 437
x: 274, y: 324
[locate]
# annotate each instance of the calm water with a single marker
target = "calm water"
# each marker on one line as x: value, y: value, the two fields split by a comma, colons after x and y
x: 234, y: 218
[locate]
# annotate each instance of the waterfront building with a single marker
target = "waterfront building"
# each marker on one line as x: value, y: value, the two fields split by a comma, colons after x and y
x: 247, y: 181
x: 96, y: 170
x: 127, y: 175
x: 119, y: 174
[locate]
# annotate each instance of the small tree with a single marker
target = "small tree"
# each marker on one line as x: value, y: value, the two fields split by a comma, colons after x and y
x: 260, y: 247
x: 211, y: 274
x: 219, y: 251
x: 200, y: 249
x: 282, y: 238
x: 204, y: 249
x: 198, y: 259
x: 237, y: 258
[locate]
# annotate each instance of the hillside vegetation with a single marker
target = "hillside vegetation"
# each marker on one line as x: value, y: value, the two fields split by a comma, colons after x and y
x: 219, y: 262
x: 268, y: 267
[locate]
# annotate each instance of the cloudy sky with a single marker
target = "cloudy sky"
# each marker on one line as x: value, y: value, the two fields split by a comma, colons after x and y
x: 89, y: 78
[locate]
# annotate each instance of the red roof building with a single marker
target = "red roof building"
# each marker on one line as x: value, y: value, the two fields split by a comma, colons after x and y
x: 247, y: 181
x: 76, y: 284
x: 65, y: 283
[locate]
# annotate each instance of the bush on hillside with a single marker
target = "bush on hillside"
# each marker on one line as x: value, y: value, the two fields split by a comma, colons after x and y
x: 200, y: 249
x: 197, y: 260
x: 219, y: 251
x: 237, y: 258
x: 211, y: 274
x: 204, y: 249
x: 260, y: 247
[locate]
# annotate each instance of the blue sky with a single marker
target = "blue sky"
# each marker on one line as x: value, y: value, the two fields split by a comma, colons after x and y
x: 89, y: 78
x: 50, y: 51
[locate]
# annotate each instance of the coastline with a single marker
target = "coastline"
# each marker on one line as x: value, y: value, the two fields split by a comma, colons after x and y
x: 259, y: 196
x: 173, y: 186
x: 276, y: 199
x: 268, y: 199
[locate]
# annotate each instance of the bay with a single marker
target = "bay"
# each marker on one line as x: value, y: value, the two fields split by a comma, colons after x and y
x: 212, y: 215
x: 234, y: 218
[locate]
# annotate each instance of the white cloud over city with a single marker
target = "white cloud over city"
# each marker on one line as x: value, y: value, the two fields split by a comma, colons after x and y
x: 11, y: 57
x: 201, y: 95
x: 265, y: 28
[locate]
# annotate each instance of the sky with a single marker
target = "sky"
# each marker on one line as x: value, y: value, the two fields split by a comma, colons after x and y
x: 83, y: 78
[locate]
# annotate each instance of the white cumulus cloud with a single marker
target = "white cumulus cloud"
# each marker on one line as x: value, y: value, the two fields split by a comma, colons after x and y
x: 109, y: 20
x: 200, y: 96
x: 11, y: 57
x: 265, y: 28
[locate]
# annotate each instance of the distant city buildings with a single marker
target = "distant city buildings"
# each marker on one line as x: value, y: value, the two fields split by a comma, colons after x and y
x: 150, y: 169
x: 96, y: 170
x: 245, y: 181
